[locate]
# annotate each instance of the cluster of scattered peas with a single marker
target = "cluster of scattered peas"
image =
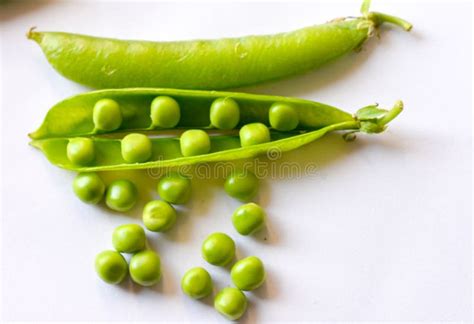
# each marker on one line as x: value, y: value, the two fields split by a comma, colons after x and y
x: 165, y: 114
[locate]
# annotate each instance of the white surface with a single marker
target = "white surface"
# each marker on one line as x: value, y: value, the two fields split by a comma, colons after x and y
x: 381, y: 230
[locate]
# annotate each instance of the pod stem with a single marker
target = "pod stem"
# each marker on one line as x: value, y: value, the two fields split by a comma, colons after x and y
x: 31, y: 34
x: 379, y: 18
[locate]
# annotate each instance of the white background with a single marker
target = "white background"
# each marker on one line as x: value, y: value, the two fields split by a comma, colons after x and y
x: 381, y: 231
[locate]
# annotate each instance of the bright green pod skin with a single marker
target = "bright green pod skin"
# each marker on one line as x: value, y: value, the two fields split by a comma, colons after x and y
x: 129, y: 238
x: 205, y: 64
x: 80, y: 151
x: 283, y: 117
x: 231, y: 303
x: 89, y: 187
x: 242, y: 185
x: 158, y: 216
x: 121, y: 195
x: 136, y: 148
x: 174, y: 188
x: 164, y: 112
x: 197, y: 283
x: 225, y: 113
x: 145, y: 268
x: 248, y: 219
x: 218, y: 249
x: 248, y: 273
x: 254, y: 134
x: 111, y: 267
x: 195, y: 142
x: 107, y: 115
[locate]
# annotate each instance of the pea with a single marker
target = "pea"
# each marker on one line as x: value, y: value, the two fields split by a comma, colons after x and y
x: 164, y: 112
x: 197, y: 283
x: 107, y: 115
x: 231, y: 303
x: 80, y: 151
x: 159, y: 216
x: 88, y: 187
x: 195, y: 142
x: 129, y: 238
x: 111, y: 266
x: 218, y: 249
x: 136, y: 148
x: 253, y: 134
x: 121, y: 195
x: 248, y: 219
x: 145, y: 268
x: 175, y: 188
x: 225, y: 113
x: 248, y: 273
x: 241, y: 184
x: 283, y: 117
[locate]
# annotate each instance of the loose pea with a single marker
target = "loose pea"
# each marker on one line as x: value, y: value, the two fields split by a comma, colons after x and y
x: 111, y: 266
x: 158, y: 216
x: 253, y: 134
x: 283, y: 117
x: 197, y: 283
x: 145, y: 268
x: 195, y: 142
x: 88, y: 187
x: 241, y: 184
x: 107, y: 115
x: 129, y: 238
x: 80, y: 151
x: 175, y: 188
x: 121, y: 195
x: 225, y: 113
x: 218, y: 249
x: 164, y: 112
x: 231, y: 303
x: 136, y: 148
x: 248, y: 273
x: 248, y: 219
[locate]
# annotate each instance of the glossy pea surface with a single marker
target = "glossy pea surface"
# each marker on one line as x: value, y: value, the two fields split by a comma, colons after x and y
x: 175, y: 188
x: 89, y: 187
x: 225, y: 113
x: 218, y: 249
x: 121, y: 195
x: 231, y: 303
x: 145, y: 268
x: 253, y: 134
x: 195, y: 142
x: 107, y: 115
x: 242, y: 185
x: 248, y: 273
x: 158, y: 216
x: 129, y: 238
x: 136, y: 148
x: 283, y: 117
x: 80, y: 151
x: 248, y: 219
x: 111, y: 266
x: 164, y: 112
x: 197, y: 283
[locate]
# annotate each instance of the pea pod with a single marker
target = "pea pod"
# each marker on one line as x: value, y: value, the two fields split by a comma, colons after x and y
x: 205, y: 64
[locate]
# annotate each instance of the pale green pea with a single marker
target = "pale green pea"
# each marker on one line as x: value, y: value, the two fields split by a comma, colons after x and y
x: 241, y: 184
x: 248, y: 273
x: 136, y: 148
x: 283, y: 117
x: 129, y: 238
x: 218, y: 249
x: 174, y: 188
x: 158, y: 216
x: 121, y: 195
x: 248, y: 218
x: 107, y: 115
x: 195, y: 142
x: 231, y: 302
x: 111, y: 266
x: 225, y: 113
x: 253, y: 134
x: 145, y: 268
x: 89, y: 187
x: 197, y: 283
x: 164, y: 112
x: 80, y: 151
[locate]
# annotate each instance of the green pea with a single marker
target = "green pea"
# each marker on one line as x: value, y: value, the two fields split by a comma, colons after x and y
x: 111, y: 266
x: 283, y: 117
x: 107, y: 115
x: 231, y: 303
x: 253, y: 134
x: 248, y: 219
x: 225, y: 113
x: 195, y: 142
x: 158, y: 216
x: 241, y: 184
x: 175, y: 188
x: 121, y: 195
x: 218, y: 249
x: 248, y: 273
x: 88, y: 187
x: 136, y: 148
x: 129, y: 238
x: 145, y: 268
x: 164, y: 112
x: 197, y: 283
x: 80, y: 151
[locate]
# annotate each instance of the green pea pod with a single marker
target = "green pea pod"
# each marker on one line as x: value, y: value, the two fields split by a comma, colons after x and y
x: 166, y: 151
x: 205, y: 64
